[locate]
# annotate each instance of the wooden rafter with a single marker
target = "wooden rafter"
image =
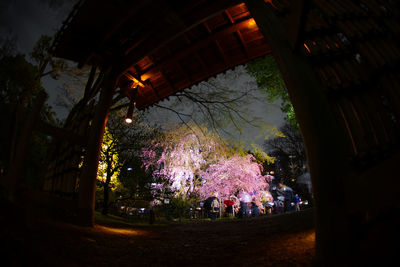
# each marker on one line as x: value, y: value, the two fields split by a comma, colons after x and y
x: 242, y: 42
x: 181, y: 69
x: 202, y: 63
x: 228, y: 15
x: 207, y: 27
x: 169, y: 81
x: 179, y: 65
x: 221, y: 51
x: 196, y: 54
x: 165, y: 36
x: 154, y: 89
x: 196, y: 46
x: 218, y: 45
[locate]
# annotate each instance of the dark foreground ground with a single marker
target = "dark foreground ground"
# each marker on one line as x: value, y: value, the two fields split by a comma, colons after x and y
x: 276, y: 240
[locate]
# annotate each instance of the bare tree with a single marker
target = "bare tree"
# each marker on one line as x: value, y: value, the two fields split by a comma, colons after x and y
x: 217, y: 103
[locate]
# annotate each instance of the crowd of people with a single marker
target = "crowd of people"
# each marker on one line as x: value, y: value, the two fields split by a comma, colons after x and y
x: 282, y: 199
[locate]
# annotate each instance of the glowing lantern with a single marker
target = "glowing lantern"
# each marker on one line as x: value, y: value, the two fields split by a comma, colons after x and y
x: 128, y: 118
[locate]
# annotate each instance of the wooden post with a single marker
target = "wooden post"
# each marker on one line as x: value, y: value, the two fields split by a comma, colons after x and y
x: 324, y: 142
x: 87, y: 184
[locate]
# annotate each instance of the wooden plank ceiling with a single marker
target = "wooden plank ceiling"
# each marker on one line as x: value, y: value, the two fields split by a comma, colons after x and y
x: 161, y: 46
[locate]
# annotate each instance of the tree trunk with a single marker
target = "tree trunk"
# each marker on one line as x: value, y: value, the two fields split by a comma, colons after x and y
x: 106, y: 198
x: 106, y: 188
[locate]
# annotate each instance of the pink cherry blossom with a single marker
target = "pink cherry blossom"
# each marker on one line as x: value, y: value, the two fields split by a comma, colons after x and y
x: 200, y: 164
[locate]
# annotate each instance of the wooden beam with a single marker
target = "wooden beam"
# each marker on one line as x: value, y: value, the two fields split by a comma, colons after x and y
x: 87, y: 186
x: 154, y: 90
x: 207, y: 27
x: 179, y: 65
x: 228, y: 15
x: 218, y: 45
x: 196, y: 54
x: 242, y: 42
x: 169, y: 81
x: 202, y: 63
x: 222, y: 52
x: 165, y: 36
x: 196, y: 46
x: 82, y: 104
x: 90, y: 81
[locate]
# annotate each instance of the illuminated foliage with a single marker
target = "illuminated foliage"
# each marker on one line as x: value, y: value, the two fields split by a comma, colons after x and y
x: 109, y: 164
x: 233, y: 175
x: 122, y: 144
x: 181, y: 155
x: 197, y: 162
x: 261, y: 156
x: 270, y: 81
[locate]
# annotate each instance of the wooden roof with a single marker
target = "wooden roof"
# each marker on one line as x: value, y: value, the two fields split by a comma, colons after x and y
x: 160, y: 46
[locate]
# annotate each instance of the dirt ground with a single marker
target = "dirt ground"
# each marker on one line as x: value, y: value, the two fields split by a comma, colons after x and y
x: 275, y: 240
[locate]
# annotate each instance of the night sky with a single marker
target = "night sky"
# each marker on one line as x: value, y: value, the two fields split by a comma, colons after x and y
x: 26, y: 20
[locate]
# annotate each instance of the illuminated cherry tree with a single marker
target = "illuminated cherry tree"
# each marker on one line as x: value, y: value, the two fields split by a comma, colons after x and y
x: 234, y: 175
x: 179, y: 158
x: 201, y: 163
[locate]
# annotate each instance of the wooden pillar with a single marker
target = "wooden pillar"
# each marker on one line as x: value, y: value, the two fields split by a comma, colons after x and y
x: 87, y: 184
x: 324, y: 141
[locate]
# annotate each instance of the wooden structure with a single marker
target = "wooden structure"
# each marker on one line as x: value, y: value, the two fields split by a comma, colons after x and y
x: 62, y: 172
x: 166, y: 50
x: 339, y: 59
